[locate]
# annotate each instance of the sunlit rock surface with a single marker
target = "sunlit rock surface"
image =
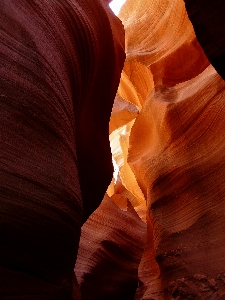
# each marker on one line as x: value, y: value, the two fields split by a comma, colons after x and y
x: 159, y: 231
x: 167, y: 135
x: 179, y: 166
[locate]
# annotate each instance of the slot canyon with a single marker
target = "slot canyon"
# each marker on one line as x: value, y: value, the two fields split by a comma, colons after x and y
x: 112, y: 157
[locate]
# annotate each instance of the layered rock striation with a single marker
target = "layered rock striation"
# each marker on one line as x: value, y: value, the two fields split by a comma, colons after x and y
x: 167, y: 139
x: 58, y: 79
x: 159, y: 231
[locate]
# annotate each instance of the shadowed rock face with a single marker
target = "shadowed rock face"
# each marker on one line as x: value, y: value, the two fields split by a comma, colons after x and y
x: 110, y: 251
x: 159, y: 233
x: 208, y: 21
x: 58, y: 79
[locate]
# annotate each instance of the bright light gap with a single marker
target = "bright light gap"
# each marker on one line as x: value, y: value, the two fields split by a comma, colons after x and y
x: 115, y: 5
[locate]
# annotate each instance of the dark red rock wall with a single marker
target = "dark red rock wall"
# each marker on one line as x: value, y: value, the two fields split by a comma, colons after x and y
x: 207, y: 18
x: 111, y: 247
x: 160, y: 234
x: 60, y: 66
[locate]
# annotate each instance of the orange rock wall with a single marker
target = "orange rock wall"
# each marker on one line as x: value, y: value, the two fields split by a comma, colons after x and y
x: 167, y: 135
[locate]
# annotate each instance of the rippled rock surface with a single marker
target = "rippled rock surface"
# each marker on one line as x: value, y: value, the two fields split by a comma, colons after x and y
x: 58, y: 79
x: 159, y: 231
x: 167, y: 139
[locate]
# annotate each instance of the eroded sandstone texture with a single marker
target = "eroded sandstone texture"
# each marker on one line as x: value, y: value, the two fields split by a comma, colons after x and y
x: 167, y: 134
x: 110, y: 251
x: 58, y: 80
x: 159, y: 231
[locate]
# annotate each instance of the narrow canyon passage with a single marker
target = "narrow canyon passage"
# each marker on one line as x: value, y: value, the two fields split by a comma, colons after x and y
x: 80, y: 88
x: 167, y: 139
